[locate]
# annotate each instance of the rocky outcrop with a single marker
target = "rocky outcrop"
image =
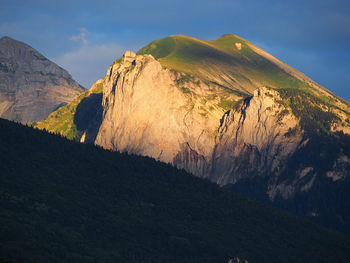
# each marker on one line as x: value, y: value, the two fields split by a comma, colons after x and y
x: 31, y: 86
x: 146, y: 113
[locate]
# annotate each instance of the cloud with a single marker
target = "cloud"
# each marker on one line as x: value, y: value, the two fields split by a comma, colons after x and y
x: 81, y: 36
x: 89, y: 63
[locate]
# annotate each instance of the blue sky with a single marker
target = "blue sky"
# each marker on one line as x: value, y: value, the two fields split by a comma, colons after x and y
x: 84, y: 37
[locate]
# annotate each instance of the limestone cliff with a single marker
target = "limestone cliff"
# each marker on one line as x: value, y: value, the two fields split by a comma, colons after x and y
x: 31, y: 86
x: 147, y: 112
x: 150, y: 110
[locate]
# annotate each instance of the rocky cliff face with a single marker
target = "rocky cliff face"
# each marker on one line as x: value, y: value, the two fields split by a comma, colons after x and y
x: 146, y: 112
x: 146, y: 109
x: 262, y: 139
x: 31, y: 86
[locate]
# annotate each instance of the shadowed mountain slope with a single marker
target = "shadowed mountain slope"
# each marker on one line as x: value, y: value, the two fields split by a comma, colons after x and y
x: 66, y: 201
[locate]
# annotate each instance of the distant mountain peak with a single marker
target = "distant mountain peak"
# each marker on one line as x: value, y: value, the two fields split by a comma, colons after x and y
x: 5, y: 38
x: 7, y: 42
x: 31, y: 86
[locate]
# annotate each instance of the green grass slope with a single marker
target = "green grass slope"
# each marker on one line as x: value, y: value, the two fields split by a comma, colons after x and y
x: 62, y: 201
x: 234, y: 63
x: 221, y: 61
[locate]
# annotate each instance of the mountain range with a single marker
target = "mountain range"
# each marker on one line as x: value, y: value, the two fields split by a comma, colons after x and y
x: 227, y: 111
x: 223, y: 110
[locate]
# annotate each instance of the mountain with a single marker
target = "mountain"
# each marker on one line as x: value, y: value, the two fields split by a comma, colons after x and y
x: 31, y: 86
x: 63, y: 201
x: 226, y: 111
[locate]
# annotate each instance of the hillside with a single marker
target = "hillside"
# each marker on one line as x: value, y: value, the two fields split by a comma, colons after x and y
x: 31, y: 86
x: 66, y: 201
x: 178, y: 105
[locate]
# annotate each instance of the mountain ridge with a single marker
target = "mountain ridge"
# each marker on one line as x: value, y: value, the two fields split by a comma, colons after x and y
x: 227, y: 133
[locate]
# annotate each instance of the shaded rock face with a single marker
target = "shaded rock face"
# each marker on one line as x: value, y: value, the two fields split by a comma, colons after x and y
x: 254, y: 138
x: 31, y: 86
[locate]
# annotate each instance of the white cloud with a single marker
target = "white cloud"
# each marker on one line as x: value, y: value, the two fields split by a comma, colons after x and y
x: 89, y: 63
x: 81, y: 36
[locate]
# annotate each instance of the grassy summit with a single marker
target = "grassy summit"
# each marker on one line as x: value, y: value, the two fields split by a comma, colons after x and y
x: 236, y: 64
x: 229, y: 61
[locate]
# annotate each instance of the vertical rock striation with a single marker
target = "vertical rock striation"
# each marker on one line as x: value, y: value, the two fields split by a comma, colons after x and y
x: 255, y: 138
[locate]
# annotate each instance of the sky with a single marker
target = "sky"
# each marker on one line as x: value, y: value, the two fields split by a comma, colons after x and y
x: 85, y: 37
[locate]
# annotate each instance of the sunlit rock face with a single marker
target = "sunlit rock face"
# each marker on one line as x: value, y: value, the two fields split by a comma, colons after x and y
x: 31, y: 86
x: 146, y: 108
x: 146, y: 113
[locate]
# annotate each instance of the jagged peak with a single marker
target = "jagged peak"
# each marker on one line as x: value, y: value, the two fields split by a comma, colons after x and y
x: 129, y: 53
x: 129, y: 56
x: 6, y: 38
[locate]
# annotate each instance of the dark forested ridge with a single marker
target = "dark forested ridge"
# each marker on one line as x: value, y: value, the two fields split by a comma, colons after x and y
x: 62, y: 201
